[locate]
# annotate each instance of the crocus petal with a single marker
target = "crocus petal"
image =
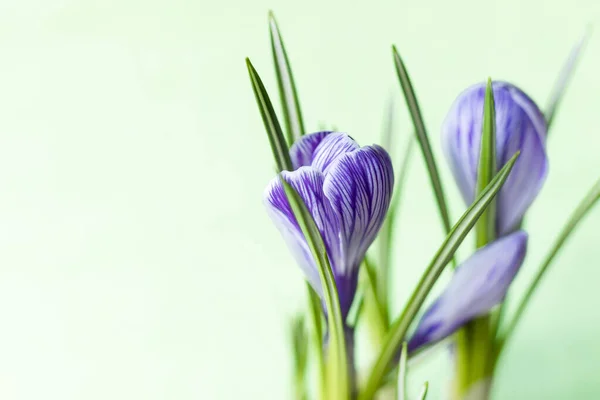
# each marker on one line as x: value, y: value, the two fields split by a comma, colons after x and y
x: 308, y: 182
x: 303, y: 149
x: 524, y: 182
x: 359, y: 186
x: 520, y: 125
x: 478, y: 285
x: 331, y: 148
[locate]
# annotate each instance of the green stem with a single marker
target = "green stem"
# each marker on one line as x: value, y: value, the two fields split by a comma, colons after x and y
x: 317, y: 331
x: 474, y: 355
x: 462, y: 377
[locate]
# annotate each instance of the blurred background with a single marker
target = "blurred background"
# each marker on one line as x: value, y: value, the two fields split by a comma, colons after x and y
x: 136, y: 260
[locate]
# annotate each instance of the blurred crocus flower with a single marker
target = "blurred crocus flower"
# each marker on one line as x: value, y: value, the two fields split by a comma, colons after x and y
x: 520, y: 125
x: 347, y: 190
x: 478, y: 285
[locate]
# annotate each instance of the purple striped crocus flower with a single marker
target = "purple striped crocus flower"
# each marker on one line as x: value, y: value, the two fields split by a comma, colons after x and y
x: 483, y: 280
x: 520, y: 125
x: 347, y: 190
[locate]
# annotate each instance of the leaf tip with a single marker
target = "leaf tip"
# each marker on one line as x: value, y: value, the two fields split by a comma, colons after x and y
x: 513, y: 159
x: 272, y: 21
x: 587, y: 32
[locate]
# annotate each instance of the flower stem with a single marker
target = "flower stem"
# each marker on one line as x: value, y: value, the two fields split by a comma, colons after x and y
x: 473, y: 358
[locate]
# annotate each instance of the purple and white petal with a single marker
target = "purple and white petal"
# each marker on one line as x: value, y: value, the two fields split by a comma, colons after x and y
x: 331, y: 148
x: 520, y: 125
x: 478, y: 285
x: 359, y: 187
x: 302, y: 151
x: 308, y: 182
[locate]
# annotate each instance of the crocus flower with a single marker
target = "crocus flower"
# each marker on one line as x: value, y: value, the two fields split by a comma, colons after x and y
x: 347, y: 190
x: 520, y: 125
x: 479, y: 284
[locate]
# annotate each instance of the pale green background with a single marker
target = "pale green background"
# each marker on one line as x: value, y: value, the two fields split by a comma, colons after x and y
x: 136, y: 260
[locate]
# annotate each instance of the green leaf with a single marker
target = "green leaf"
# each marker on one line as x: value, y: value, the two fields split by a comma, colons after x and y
x: 281, y: 155
x: 387, y: 230
x: 385, y: 238
x: 423, y: 394
x: 337, y: 360
x: 300, y: 347
x: 358, y: 305
x: 299, y: 342
x: 580, y: 212
x: 315, y: 312
x: 387, y: 137
x: 486, y: 227
x: 415, y: 113
x: 292, y: 113
x: 373, y: 309
x: 402, y: 373
x: 473, y: 343
x: 560, y: 86
x: 443, y: 256
x: 278, y: 143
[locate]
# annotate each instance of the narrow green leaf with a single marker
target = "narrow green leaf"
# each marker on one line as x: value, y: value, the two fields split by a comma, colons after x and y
x: 473, y: 344
x: 580, y: 212
x: 276, y: 139
x: 387, y: 230
x: 485, y: 228
x: 366, y: 305
x: 385, y: 238
x: 299, y: 339
x: 560, y: 86
x: 387, y: 137
x: 443, y: 256
x: 358, y: 305
x: 315, y: 312
x: 371, y: 276
x: 402, y: 373
x: 378, y: 323
x: 283, y: 162
x: 415, y: 113
x: 338, y: 386
x: 423, y: 394
x: 292, y: 113
x: 299, y: 342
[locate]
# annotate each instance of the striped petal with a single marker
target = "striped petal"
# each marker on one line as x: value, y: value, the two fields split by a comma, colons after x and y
x: 308, y: 182
x: 320, y: 149
x: 302, y: 151
x: 359, y: 186
x: 478, y: 285
x: 520, y: 125
x: 331, y: 148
